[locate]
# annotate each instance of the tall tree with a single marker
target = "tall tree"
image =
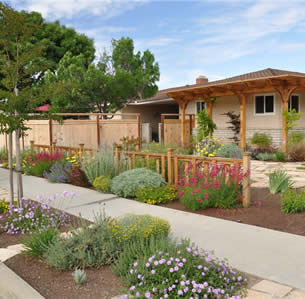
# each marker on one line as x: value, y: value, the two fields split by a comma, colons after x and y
x: 107, y: 85
x: 20, y: 61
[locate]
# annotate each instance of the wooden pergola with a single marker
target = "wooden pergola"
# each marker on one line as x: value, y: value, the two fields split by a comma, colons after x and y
x: 269, y: 80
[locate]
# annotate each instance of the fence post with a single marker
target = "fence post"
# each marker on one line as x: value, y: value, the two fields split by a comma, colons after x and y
x: 246, y: 180
x: 139, y: 132
x: 32, y: 145
x: 98, y: 131
x: 162, y: 128
x: 191, y: 124
x: 117, y: 152
x: 50, y: 131
x: 81, y: 148
x: 170, y: 165
x: 53, y: 147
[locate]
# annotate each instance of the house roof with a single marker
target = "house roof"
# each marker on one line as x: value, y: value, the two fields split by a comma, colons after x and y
x: 162, y: 95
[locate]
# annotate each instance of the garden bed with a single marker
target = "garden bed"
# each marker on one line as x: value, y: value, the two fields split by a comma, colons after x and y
x: 51, y: 283
x: 265, y: 211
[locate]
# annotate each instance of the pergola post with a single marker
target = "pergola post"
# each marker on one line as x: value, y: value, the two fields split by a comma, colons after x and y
x: 243, y: 121
x: 285, y: 92
x: 183, y: 122
x: 210, y: 109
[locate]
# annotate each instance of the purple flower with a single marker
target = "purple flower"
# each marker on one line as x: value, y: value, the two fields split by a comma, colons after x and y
x: 180, y: 292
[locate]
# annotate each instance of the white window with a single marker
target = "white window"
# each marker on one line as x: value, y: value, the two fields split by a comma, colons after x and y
x: 200, y: 105
x: 264, y: 104
x: 294, y: 103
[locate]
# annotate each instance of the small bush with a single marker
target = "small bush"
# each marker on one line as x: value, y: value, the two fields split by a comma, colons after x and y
x: 102, y: 183
x: 230, y: 151
x: 158, y: 195
x: 3, y: 206
x: 261, y: 140
x: 103, y: 163
x: 79, y: 276
x: 129, y: 182
x: 265, y: 156
x: 59, y: 172
x: 86, y: 247
x: 3, y: 154
x: 184, y: 272
x: 161, y: 148
x: 280, y: 156
x: 293, y: 201
x: 39, y: 242
x: 297, y: 151
x: 132, y: 227
x: 279, y: 181
x: 208, y: 147
x: 77, y: 177
x: 296, y: 137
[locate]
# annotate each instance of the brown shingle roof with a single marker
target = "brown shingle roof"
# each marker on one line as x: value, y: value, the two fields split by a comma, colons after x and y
x: 266, y: 73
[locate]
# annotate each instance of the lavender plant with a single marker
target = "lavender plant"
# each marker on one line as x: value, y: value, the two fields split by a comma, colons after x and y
x: 185, y: 273
x: 35, y: 216
x: 58, y: 172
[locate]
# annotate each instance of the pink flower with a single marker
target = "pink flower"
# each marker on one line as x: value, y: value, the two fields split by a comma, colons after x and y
x: 181, y: 193
x: 206, y: 196
x: 199, y: 200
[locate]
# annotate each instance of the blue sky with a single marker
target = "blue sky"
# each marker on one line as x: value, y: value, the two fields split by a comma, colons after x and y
x: 214, y: 38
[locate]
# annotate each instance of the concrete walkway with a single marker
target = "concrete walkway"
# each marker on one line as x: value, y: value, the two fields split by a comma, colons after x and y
x: 262, y: 252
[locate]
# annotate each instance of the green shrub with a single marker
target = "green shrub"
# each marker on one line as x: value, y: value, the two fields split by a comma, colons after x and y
x: 265, y: 156
x: 158, y: 195
x: 86, y: 247
x: 279, y: 181
x: 280, y: 156
x: 39, y: 242
x: 293, y: 201
x: 103, y: 163
x: 296, y: 137
x: 183, y: 271
x: 229, y: 151
x: 79, y: 276
x: 129, y: 182
x: 261, y: 140
x: 131, y: 227
x: 102, y: 183
x: 161, y: 148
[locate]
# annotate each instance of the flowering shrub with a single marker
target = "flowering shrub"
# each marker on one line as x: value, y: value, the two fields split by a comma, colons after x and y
x: 39, y: 163
x: 77, y: 177
x: 58, y: 172
x: 131, y: 227
x: 185, y: 273
x: 158, y: 195
x: 219, y: 188
x: 129, y: 182
x: 208, y: 147
x: 102, y: 183
x: 3, y: 206
x: 34, y: 216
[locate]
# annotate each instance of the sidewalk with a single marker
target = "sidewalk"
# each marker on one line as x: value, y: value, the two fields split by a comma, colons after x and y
x: 262, y: 252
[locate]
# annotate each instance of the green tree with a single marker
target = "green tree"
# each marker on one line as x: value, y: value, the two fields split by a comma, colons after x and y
x: 20, y: 61
x: 107, y: 85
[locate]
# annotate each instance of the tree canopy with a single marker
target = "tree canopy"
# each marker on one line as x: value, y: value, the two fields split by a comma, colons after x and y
x: 107, y: 85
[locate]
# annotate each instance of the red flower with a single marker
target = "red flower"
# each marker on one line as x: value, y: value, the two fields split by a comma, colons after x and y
x: 199, y: 200
x: 206, y: 196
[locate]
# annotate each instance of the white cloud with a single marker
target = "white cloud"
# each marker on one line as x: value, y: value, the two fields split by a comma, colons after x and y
x: 69, y: 8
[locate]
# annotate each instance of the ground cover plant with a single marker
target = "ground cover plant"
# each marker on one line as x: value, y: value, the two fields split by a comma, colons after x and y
x: 129, y: 182
x: 293, y: 201
x: 279, y: 181
x: 296, y: 151
x: 229, y: 151
x: 102, y: 183
x: 3, y: 206
x: 219, y: 188
x: 132, y: 227
x: 208, y: 147
x: 179, y: 270
x: 34, y: 216
x: 156, y: 196
x: 59, y: 172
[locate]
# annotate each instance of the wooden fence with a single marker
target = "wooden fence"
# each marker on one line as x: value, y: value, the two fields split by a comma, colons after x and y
x: 171, y: 128
x: 165, y: 164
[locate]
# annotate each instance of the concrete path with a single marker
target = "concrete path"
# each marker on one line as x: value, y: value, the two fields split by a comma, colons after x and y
x: 262, y: 252
x: 260, y: 169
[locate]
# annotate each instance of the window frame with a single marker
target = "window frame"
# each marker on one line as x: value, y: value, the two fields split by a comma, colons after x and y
x: 264, y: 95
x: 200, y: 101
x: 299, y: 102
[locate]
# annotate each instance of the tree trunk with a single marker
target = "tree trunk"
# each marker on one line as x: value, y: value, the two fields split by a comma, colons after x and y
x: 18, y: 168
x: 10, y: 166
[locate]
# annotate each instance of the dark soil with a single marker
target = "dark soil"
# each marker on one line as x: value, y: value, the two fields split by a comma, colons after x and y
x: 265, y: 211
x: 53, y: 284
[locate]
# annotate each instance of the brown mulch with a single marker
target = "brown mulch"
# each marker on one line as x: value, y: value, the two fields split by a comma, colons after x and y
x: 53, y: 284
x: 265, y: 211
